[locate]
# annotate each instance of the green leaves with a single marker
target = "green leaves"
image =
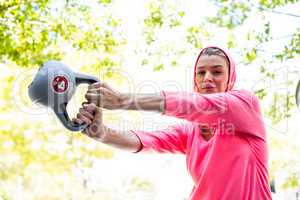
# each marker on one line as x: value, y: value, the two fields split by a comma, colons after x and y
x: 105, y: 2
x: 230, y: 14
x: 194, y: 36
x: 261, y: 93
x: 158, y: 67
x: 23, y: 38
x: 292, y: 50
x: 161, y: 14
x: 35, y: 31
x: 251, y: 55
x: 275, y: 3
x: 155, y: 18
x: 276, y: 112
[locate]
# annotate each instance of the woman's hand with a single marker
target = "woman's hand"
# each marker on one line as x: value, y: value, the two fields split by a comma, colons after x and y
x: 91, y: 115
x: 104, y: 96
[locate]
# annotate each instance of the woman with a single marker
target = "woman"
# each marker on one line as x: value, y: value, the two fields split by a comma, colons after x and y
x: 224, y: 142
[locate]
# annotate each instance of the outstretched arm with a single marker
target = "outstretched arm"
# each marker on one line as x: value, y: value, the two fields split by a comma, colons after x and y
x: 104, y: 96
x: 238, y: 110
x: 173, y: 139
x: 92, y: 115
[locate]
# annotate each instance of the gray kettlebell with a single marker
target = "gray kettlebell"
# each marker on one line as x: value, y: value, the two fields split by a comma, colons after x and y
x: 54, y: 85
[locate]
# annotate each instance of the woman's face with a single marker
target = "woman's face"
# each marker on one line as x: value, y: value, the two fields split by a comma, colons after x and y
x: 212, y: 74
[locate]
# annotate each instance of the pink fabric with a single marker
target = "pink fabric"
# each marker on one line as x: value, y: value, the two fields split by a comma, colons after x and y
x: 233, y: 164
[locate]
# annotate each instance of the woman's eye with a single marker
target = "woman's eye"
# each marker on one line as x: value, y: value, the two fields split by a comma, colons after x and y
x: 201, y: 73
x: 217, y: 72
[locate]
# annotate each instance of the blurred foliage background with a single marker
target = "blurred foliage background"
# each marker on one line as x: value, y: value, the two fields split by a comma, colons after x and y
x: 41, y: 160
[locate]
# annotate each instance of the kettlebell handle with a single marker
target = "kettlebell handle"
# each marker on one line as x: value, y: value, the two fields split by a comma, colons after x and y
x: 61, y: 110
x: 62, y: 114
x: 83, y: 78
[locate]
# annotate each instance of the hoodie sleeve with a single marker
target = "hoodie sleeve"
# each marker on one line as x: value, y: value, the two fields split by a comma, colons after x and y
x: 237, y: 110
x: 170, y: 140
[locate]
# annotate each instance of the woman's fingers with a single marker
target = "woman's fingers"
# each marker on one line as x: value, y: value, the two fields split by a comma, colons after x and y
x: 98, y: 85
x: 91, y: 115
x: 77, y: 121
x: 104, y: 96
x: 86, y: 113
x: 83, y: 118
x: 93, y: 98
x: 98, y: 116
x: 89, y: 107
x: 94, y: 91
x: 100, y: 90
x: 95, y: 130
x: 94, y: 85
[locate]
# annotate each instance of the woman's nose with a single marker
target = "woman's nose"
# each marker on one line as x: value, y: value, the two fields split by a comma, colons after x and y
x: 207, y: 76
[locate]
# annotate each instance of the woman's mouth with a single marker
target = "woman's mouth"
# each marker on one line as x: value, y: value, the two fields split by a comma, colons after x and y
x: 208, y: 87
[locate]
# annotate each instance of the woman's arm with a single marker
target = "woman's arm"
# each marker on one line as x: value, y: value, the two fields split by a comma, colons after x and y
x: 172, y: 139
x: 232, y: 112
x: 147, y: 102
x: 124, y: 140
x: 104, y: 96
x: 92, y: 115
x: 237, y: 111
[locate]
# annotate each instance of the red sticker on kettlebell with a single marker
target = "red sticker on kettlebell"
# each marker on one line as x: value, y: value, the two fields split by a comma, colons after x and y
x: 60, y: 84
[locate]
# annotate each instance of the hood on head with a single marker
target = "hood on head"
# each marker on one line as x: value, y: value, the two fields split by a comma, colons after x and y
x: 232, y: 73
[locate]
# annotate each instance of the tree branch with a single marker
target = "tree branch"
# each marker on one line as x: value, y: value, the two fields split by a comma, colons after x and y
x: 279, y: 12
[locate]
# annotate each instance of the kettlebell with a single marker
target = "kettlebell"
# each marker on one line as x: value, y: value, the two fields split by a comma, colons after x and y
x: 54, y: 85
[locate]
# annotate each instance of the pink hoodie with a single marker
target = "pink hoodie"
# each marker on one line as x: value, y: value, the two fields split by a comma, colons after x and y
x: 233, y: 164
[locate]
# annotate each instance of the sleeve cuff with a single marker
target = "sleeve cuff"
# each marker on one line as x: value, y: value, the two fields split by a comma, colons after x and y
x: 142, y: 146
x: 171, y: 103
